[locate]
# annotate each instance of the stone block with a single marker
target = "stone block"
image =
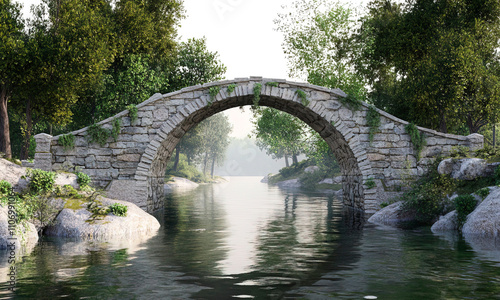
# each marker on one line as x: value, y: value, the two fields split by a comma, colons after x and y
x: 43, y: 161
x: 43, y: 142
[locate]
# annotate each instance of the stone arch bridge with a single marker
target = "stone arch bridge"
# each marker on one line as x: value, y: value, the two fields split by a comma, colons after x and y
x: 132, y: 168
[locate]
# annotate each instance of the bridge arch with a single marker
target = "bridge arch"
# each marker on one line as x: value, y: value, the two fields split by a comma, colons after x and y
x: 132, y: 167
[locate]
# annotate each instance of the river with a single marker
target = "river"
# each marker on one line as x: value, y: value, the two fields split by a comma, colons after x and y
x: 244, y: 239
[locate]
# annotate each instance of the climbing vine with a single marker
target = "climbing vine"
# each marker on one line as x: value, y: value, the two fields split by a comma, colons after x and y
x: 370, y: 183
x: 256, y: 94
x: 67, y: 141
x: 417, y: 138
x: 97, y: 134
x: 303, y: 97
x: 351, y: 101
x: 132, y: 112
x: 373, y: 121
x: 272, y: 83
x: 117, y: 124
x: 230, y: 88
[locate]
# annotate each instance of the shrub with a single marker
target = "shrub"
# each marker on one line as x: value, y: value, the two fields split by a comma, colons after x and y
x: 230, y: 88
x: 464, y: 204
x: 132, y: 109
x: 118, y: 209
x: 82, y: 179
x: 97, y: 134
x: 483, y: 193
x: 428, y: 198
x: 310, y: 180
x: 40, y: 181
x: 459, y: 151
x: 67, y: 141
x: 5, y: 187
x: 294, y: 169
x: 117, y: 123
x: 96, y: 208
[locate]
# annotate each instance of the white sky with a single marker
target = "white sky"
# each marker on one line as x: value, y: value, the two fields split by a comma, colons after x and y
x: 242, y: 32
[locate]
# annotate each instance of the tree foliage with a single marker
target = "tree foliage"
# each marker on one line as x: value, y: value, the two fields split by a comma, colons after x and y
x: 439, y: 56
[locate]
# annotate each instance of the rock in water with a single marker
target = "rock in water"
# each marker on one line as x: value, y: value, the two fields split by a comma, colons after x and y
x: 26, y: 233
x: 485, y: 219
x: 446, y: 223
x: 75, y: 223
x: 391, y: 215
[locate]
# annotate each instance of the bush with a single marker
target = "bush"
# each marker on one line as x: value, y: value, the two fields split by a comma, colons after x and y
x: 185, y: 170
x: 5, y: 187
x: 286, y: 172
x: 428, y: 198
x: 310, y: 180
x: 82, y: 179
x: 483, y: 193
x: 118, y: 209
x: 40, y: 181
x: 464, y: 204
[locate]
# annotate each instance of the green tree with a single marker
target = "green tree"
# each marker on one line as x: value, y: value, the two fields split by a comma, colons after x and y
x: 280, y: 134
x: 215, y: 133
x: 13, y: 58
x: 317, y: 44
x: 439, y: 56
x: 68, y: 48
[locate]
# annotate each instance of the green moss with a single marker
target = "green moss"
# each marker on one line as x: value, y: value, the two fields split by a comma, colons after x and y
x: 75, y: 204
x: 303, y: 97
x: 213, y: 92
x: 272, y: 83
x: 231, y: 88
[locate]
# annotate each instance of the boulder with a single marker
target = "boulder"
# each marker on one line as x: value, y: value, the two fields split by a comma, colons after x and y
x: 63, y: 179
x: 12, y: 173
x: 292, y: 183
x: 26, y: 234
x: 446, y: 223
x: 74, y: 223
x: 266, y: 178
x: 179, y: 184
x: 311, y: 169
x: 466, y: 168
x: 326, y: 181
x: 391, y: 215
x: 485, y: 219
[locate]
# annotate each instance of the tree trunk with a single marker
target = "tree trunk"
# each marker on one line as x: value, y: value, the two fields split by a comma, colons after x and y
x: 286, y: 161
x: 294, y: 159
x: 177, y: 155
x: 442, y: 123
x: 213, y: 167
x: 27, y: 132
x: 4, y: 124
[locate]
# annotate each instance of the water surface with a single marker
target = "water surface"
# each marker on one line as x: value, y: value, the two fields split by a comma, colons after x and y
x: 243, y: 239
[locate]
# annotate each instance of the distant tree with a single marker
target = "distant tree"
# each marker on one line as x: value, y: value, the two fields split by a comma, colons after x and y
x: 215, y: 134
x: 280, y: 134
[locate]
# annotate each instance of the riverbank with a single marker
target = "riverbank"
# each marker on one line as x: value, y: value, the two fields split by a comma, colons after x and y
x: 37, y: 203
x: 458, y: 195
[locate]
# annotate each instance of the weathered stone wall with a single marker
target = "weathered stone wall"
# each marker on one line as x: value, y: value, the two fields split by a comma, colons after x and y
x: 132, y: 167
